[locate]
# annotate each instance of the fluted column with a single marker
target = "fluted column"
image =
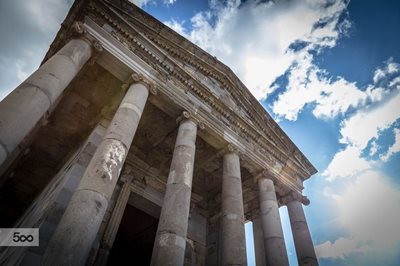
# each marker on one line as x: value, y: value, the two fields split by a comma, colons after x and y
x: 233, y: 233
x: 170, y: 242
x: 275, y: 249
x: 74, y: 236
x: 21, y: 110
x: 301, y: 234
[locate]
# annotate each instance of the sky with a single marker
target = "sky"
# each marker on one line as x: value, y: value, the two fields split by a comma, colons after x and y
x: 327, y: 70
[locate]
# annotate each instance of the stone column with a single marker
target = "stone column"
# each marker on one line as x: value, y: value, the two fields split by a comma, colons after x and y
x: 21, y: 110
x: 74, y: 236
x: 301, y: 235
x: 275, y: 249
x: 232, y: 221
x: 259, y: 248
x: 170, y: 242
x: 113, y: 224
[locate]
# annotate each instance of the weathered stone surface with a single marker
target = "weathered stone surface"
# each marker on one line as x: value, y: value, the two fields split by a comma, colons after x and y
x: 258, y: 237
x: 301, y: 234
x: 232, y: 220
x: 170, y: 242
x: 21, y: 110
x: 73, y: 238
x: 275, y: 249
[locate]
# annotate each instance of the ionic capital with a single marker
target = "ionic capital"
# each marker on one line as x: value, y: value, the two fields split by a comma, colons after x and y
x: 78, y: 27
x: 265, y: 174
x: 79, y: 31
x: 291, y: 196
x: 140, y: 78
x: 98, y: 46
x: 188, y: 115
x: 230, y: 148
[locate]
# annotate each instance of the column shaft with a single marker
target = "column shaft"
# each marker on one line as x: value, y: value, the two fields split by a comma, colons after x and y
x: 74, y: 236
x: 275, y: 249
x: 301, y: 235
x: 21, y: 110
x: 113, y: 224
x: 233, y: 234
x: 170, y: 242
x: 259, y: 248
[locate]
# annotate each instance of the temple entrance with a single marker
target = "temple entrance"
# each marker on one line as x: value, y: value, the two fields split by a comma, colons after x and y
x: 135, y: 238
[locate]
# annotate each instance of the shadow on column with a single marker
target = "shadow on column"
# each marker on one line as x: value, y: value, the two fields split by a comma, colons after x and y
x: 134, y: 242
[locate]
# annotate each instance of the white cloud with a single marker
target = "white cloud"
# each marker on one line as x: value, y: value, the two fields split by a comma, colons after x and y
x: 254, y: 37
x: 176, y: 26
x: 169, y: 2
x: 395, y: 81
x: 394, y: 148
x: 140, y: 3
x: 390, y: 67
x: 369, y: 210
x: 356, y: 132
x: 374, y: 148
x: 366, y: 124
x: 21, y: 73
x: 27, y: 38
x: 309, y: 84
x: 346, y: 163
x: 339, y: 248
x: 47, y: 14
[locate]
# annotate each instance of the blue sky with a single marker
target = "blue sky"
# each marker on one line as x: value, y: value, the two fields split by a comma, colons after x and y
x: 327, y: 70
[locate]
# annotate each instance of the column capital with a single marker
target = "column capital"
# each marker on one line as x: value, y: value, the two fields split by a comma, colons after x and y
x: 140, y: 78
x: 291, y: 196
x: 265, y: 174
x: 230, y: 148
x: 79, y: 31
x: 186, y: 115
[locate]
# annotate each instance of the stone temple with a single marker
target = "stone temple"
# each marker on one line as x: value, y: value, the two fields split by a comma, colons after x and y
x: 130, y: 145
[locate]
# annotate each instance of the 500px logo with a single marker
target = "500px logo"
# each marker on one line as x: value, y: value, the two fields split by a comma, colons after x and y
x: 19, y: 236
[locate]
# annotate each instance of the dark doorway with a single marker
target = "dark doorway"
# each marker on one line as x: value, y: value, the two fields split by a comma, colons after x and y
x: 134, y: 242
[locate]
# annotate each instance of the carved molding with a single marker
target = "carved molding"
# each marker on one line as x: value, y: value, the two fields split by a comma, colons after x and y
x: 230, y: 148
x: 294, y: 196
x: 139, y: 78
x: 188, y: 115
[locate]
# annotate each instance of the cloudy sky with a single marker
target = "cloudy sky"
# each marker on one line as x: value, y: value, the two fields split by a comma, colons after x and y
x: 327, y: 70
